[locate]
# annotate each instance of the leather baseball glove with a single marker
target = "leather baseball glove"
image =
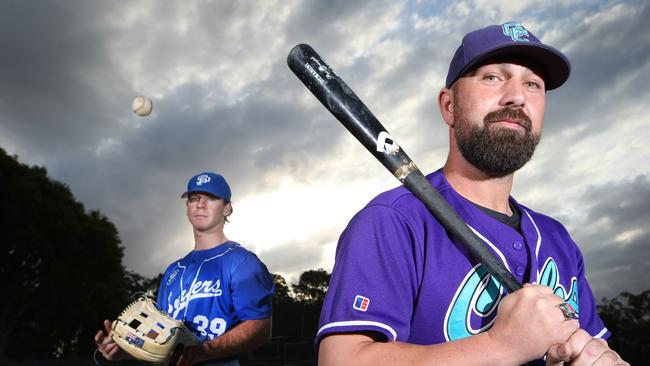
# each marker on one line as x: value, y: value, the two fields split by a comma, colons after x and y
x: 149, y: 334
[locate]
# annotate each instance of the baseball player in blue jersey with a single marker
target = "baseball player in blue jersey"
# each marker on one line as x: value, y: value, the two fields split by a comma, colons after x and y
x: 403, y: 292
x: 221, y: 290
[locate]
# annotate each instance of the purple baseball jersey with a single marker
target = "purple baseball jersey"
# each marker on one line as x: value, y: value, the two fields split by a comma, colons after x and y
x: 397, y: 272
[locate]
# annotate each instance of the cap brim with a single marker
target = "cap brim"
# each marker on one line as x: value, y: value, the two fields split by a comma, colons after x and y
x: 185, y: 194
x: 554, y: 66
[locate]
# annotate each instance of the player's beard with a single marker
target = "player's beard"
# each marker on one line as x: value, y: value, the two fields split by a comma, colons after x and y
x: 496, y: 151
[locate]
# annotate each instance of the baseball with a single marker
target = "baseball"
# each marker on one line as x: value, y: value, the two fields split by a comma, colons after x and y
x: 142, y: 106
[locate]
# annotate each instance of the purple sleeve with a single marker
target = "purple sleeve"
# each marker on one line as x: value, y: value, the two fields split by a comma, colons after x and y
x: 375, y: 277
x: 589, y: 318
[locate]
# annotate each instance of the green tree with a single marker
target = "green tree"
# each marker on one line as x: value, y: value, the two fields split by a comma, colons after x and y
x: 312, y: 286
x: 137, y: 283
x: 62, y: 267
x: 627, y: 316
x: 296, y: 311
x: 310, y: 292
x: 282, y: 293
x: 286, y: 311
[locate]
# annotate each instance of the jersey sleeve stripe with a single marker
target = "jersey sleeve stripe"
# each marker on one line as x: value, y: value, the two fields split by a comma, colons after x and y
x: 354, y: 323
x: 601, y: 333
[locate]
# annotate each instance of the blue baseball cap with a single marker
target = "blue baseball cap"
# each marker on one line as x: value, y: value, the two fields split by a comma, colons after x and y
x: 209, y: 182
x: 509, y: 41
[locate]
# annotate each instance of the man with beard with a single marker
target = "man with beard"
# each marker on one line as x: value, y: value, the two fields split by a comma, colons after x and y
x: 403, y: 292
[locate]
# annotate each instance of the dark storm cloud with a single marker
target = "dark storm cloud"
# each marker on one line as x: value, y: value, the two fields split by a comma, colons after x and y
x: 53, y: 54
x: 264, y: 132
x: 302, y: 257
x: 67, y: 88
x: 615, y: 235
x: 225, y: 100
x: 610, y: 57
x: 325, y: 23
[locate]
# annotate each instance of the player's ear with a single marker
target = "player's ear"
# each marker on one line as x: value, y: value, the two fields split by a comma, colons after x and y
x: 446, y: 105
x: 227, y: 210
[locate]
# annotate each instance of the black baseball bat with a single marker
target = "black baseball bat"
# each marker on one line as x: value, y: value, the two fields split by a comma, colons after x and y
x: 341, y: 101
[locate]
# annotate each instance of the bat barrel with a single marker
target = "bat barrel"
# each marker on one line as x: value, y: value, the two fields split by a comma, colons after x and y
x: 341, y: 101
x: 422, y: 188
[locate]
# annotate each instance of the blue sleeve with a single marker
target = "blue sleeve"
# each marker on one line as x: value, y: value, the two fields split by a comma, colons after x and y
x: 161, y: 299
x: 252, y: 289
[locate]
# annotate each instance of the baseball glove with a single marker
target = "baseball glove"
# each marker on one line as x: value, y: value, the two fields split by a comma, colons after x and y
x: 149, y: 334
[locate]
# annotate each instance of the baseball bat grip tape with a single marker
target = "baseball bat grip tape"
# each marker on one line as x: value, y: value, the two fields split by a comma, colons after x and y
x: 418, y: 184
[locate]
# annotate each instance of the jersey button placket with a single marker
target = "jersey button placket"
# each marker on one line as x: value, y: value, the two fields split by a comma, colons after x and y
x: 520, y: 270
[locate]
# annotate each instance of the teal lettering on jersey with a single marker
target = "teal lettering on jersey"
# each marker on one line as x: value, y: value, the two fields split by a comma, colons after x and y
x: 478, y: 296
x: 473, y: 309
x: 550, y: 277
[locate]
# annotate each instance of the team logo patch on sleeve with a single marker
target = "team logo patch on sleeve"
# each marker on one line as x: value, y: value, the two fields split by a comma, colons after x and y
x: 172, y: 277
x: 361, y: 303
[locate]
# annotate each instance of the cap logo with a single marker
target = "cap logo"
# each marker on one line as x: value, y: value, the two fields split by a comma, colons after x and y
x: 516, y: 31
x: 202, y: 179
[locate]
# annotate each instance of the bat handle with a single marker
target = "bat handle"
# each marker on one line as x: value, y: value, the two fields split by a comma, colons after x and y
x: 417, y: 183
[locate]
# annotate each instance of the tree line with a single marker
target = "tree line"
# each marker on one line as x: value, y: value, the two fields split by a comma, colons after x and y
x: 62, y: 275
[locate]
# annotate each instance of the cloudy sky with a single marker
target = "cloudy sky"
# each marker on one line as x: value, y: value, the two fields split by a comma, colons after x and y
x: 224, y: 100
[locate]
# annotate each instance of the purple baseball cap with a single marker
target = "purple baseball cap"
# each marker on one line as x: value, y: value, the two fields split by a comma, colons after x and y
x: 209, y: 182
x: 505, y: 41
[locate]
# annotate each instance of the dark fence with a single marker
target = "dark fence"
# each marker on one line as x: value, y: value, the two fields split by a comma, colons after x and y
x: 281, y: 351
